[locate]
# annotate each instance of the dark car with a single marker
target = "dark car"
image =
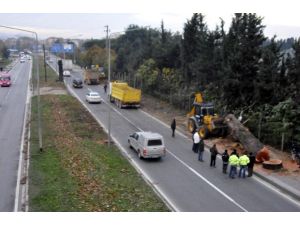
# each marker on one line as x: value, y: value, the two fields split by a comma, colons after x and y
x: 77, y: 83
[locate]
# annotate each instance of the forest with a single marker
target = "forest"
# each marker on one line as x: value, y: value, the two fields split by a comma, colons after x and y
x: 241, y: 70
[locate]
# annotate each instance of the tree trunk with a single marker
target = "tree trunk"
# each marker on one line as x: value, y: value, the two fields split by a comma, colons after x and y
x: 242, y: 134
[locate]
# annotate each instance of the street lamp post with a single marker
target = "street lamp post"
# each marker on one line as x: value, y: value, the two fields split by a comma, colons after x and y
x: 109, y: 78
x: 37, y: 80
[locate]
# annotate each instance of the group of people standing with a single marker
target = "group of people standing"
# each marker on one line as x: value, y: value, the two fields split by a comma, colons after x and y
x: 245, y: 162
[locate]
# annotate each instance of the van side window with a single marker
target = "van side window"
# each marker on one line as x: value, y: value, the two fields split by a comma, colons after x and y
x: 136, y: 137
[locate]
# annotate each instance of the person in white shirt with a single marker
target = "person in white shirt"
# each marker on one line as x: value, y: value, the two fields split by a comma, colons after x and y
x: 196, y: 140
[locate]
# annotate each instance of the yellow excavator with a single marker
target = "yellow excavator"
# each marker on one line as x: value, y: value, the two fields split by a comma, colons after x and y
x: 203, y: 119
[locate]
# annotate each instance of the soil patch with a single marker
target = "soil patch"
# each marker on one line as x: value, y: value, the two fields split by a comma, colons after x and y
x: 166, y: 112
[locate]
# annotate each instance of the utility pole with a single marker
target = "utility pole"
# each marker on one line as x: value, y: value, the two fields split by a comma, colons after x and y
x: 45, y: 63
x: 107, y: 45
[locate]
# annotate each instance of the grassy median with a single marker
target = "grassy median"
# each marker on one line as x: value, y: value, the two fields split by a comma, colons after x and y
x: 76, y: 170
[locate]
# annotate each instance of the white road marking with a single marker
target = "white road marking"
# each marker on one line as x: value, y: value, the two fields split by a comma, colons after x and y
x: 166, y: 199
x: 16, y: 206
x: 164, y: 124
x: 9, y: 90
x: 208, y: 182
x: 277, y: 190
x: 256, y: 178
x: 183, y: 163
x: 190, y: 168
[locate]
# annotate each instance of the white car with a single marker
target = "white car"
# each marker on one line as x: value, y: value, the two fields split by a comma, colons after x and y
x: 22, y: 60
x: 93, y: 97
x: 147, y: 144
x: 66, y: 73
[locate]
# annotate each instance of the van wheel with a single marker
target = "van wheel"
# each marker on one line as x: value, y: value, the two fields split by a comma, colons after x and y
x: 129, y: 144
x: 140, y: 154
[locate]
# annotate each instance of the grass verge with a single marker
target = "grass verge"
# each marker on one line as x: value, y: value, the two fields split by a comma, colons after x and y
x: 76, y: 171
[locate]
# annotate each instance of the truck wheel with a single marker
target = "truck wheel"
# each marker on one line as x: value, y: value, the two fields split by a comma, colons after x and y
x: 191, y: 125
x: 111, y: 99
x: 203, y: 132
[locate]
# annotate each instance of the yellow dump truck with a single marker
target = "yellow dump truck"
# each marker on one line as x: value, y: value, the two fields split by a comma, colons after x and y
x: 123, y: 95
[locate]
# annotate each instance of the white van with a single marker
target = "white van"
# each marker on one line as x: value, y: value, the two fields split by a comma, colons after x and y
x: 147, y: 144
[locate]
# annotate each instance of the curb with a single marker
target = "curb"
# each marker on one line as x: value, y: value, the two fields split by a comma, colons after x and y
x: 277, y: 184
x: 125, y: 154
x: 283, y: 188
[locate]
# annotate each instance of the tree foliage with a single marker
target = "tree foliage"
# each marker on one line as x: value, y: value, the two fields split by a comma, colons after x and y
x: 3, y: 50
x: 240, y: 70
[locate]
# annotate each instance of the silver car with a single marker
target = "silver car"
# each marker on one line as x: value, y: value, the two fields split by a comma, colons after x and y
x: 147, y: 144
x: 93, y: 97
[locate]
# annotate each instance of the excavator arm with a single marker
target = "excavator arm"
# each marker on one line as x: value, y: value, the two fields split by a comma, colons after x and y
x: 198, y: 99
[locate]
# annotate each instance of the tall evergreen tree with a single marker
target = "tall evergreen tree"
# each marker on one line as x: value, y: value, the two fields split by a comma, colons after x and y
x: 267, y: 86
x: 189, y: 49
x: 243, y: 49
x: 294, y: 73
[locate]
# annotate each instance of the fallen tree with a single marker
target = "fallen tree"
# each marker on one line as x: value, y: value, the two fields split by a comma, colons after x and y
x: 240, y: 133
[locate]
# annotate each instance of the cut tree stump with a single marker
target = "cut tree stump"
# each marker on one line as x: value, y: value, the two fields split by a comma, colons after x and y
x: 273, y: 164
x: 240, y: 133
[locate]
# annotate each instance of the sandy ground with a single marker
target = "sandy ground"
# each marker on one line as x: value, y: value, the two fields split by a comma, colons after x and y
x: 166, y: 113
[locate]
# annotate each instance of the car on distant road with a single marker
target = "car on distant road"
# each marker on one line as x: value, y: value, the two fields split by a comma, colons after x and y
x: 66, y: 73
x: 93, y: 97
x: 77, y: 83
x: 5, y: 80
x: 147, y: 144
x: 22, y: 60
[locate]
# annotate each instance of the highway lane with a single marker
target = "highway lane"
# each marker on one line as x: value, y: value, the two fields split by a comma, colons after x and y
x: 12, y: 107
x: 188, y: 184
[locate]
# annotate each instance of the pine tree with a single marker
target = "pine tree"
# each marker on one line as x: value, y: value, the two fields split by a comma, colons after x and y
x: 243, y: 49
x: 189, y: 49
x: 267, y: 86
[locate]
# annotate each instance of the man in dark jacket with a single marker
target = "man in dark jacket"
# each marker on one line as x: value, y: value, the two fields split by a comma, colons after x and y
x: 225, y: 158
x: 213, y: 155
x: 105, y: 87
x: 173, y: 127
x: 201, y: 150
x: 251, y: 164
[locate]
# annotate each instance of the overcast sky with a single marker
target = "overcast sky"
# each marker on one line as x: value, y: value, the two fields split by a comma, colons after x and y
x: 88, y: 19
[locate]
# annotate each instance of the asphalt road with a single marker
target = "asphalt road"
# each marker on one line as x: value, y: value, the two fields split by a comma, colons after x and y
x: 186, y: 183
x: 12, y: 107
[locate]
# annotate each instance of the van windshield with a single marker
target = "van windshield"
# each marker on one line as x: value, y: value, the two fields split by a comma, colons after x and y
x: 154, y: 142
